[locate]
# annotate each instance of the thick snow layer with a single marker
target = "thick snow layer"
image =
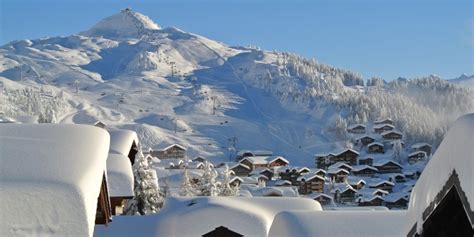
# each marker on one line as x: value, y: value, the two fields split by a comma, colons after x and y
x: 50, y: 178
x: 338, y: 223
x: 121, y: 141
x: 119, y: 176
x: 455, y: 153
x: 197, y: 216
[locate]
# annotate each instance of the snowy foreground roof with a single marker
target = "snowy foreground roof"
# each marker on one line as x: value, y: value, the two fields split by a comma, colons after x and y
x: 119, y: 176
x: 200, y: 215
x: 50, y: 178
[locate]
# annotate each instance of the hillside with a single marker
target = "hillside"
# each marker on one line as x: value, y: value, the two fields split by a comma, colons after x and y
x: 171, y: 86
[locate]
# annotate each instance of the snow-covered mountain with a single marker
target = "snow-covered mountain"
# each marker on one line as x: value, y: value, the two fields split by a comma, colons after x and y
x: 464, y: 80
x: 173, y: 86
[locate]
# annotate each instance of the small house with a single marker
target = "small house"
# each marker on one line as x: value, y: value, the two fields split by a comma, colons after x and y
x: 392, y: 135
x: 422, y: 147
x: 255, y: 162
x: 310, y: 183
x: 371, y: 201
x: 172, y: 152
x: 416, y: 156
x: 199, y: 159
x: 322, y: 198
x: 382, y: 184
x: 375, y: 147
x: 338, y: 175
x: 365, y: 139
x: 241, y: 169
x: 344, y: 193
x: 380, y: 128
x: 355, y: 182
x: 364, y: 170
x: 356, y: 129
x: 341, y: 165
x: 367, y: 160
x: 387, y: 166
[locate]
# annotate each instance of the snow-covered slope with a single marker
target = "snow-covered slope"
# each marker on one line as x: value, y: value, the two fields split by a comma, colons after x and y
x: 172, y: 86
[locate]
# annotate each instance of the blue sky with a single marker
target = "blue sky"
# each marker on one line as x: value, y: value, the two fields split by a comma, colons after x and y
x: 407, y: 38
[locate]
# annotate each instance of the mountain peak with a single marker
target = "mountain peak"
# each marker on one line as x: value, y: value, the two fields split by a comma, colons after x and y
x: 125, y: 24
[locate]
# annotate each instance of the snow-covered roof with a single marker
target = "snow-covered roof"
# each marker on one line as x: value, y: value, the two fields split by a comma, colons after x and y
x: 164, y: 147
x: 420, y: 145
x: 364, y: 136
x: 315, y: 195
x: 282, y: 182
x: 336, y: 153
x: 382, y: 162
x: 415, y: 153
x: 355, y: 126
x: 183, y: 216
x: 342, y: 187
x: 339, y: 164
x: 340, y: 223
x: 279, y: 191
x: 121, y: 141
x: 391, y: 131
x: 376, y: 182
x: 309, y: 176
x: 355, y: 180
x: 119, y: 176
x: 337, y: 170
x: 239, y: 164
x: 260, y: 160
x: 383, y: 120
x: 50, y: 177
x: 455, y: 153
x: 368, y: 198
x: 378, y: 126
x: 375, y: 144
x: 357, y: 168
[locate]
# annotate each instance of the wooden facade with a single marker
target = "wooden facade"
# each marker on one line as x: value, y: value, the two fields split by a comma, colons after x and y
x: 376, y: 201
x: 365, y: 140
x: 103, y: 213
x: 383, y: 128
x: 347, y: 195
x: 392, y: 135
x: 366, y: 161
x: 241, y: 170
x: 387, y: 186
x: 174, y: 152
x: 416, y: 156
x: 384, y: 121
x: 357, y: 129
x: 388, y: 167
x: 314, y: 184
x: 375, y: 148
x: 367, y: 171
x: 348, y: 156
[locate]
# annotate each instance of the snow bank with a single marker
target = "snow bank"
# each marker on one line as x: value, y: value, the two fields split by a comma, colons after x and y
x: 119, y: 176
x: 338, y: 223
x: 455, y: 153
x: 50, y: 178
x: 197, y: 216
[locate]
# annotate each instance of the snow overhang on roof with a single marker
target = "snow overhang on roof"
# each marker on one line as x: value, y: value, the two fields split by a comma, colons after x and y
x: 375, y: 144
x: 121, y: 141
x: 50, y: 177
x: 356, y: 125
x: 453, y: 161
x: 419, y: 145
x: 119, y: 176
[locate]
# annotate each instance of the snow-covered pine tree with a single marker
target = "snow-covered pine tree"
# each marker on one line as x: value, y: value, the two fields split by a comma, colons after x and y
x: 397, y: 151
x: 148, y: 199
x: 208, y: 186
x: 187, y: 188
x: 227, y: 189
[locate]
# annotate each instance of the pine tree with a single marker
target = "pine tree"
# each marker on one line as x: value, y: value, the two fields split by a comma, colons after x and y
x: 187, y: 188
x: 148, y: 199
x: 227, y: 189
x: 207, y: 184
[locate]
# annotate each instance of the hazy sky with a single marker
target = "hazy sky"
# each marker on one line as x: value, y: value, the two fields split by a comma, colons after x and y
x: 405, y: 38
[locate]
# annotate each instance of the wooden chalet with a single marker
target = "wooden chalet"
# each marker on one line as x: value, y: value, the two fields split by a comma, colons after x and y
x: 222, y: 231
x: 348, y: 156
x: 241, y: 169
x: 367, y: 160
x: 392, y: 135
x: 371, y: 201
x: 338, y: 175
x: 344, y: 193
x: 387, y: 166
x: 310, y: 183
x: 365, y: 140
x: 292, y: 174
x: 199, y: 159
x: 417, y: 156
x: 255, y: 162
x: 383, y: 184
x: 356, y: 183
x: 356, y: 129
x: 422, y: 147
x: 173, y: 152
x: 375, y: 147
x: 364, y: 170
x: 263, y: 171
x: 322, y: 198
x: 380, y: 128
